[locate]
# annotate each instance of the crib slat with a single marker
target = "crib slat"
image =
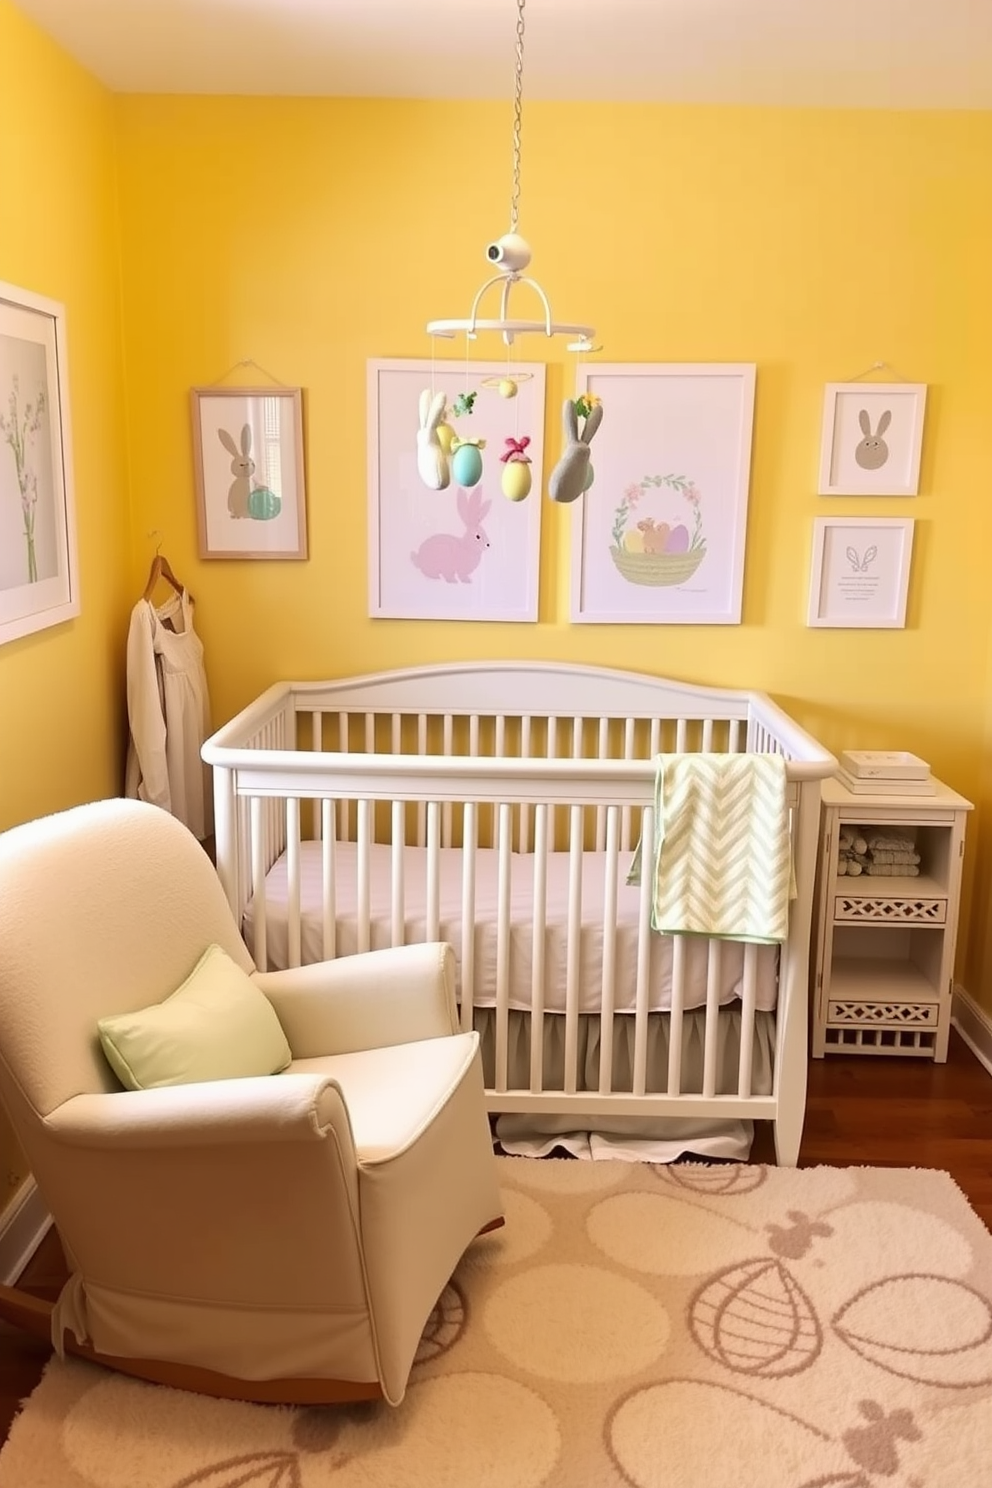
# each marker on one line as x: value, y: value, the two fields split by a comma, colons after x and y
x: 644, y: 933
x: 608, y: 995
x: 448, y: 747
x: 328, y: 864
x: 748, y: 1000
x: 707, y: 736
x: 573, y: 949
x: 503, y: 945
x: 602, y: 753
x: 258, y: 871
x: 681, y: 735
x: 734, y: 744
x: 525, y: 735
x: 397, y: 889
x: 539, y: 916
x: 421, y: 805
x: 627, y: 831
x: 363, y: 868
x: 470, y: 839
x: 293, y: 934
x: 711, y: 1040
x: 433, y: 916
x: 396, y: 733
x: 675, y: 1017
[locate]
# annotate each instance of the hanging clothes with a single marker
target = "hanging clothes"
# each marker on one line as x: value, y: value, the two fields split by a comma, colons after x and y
x: 168, y: 709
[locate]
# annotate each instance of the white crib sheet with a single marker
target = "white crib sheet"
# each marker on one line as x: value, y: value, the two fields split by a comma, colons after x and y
x: 484, y: 973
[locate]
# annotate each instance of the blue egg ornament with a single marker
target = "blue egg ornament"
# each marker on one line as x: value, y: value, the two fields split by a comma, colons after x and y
x: 466, y: 465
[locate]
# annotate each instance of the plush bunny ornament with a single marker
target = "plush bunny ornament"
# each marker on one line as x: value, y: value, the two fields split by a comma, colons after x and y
x: 573, y: 473
x: 433, y: 465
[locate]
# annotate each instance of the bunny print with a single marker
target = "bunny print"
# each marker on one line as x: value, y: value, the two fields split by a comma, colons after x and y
x: 432, y: 463
x: 445, y: 556
x: 242, y: 468
x: 872, y: 452
x: 573, y: 473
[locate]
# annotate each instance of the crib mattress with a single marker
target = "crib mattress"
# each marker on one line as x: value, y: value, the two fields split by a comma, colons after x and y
x: 485, y: 970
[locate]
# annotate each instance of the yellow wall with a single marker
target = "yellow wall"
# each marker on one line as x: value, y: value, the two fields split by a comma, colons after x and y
x: 61, y: 719
x: 309, y: 235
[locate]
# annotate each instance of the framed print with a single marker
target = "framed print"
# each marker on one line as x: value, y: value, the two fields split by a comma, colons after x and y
x: 872, y: 438
x: 248, y: 463
x: 471, y: 550
x: 39, y: 583
x: 860, y: 573
x: 658, y: 538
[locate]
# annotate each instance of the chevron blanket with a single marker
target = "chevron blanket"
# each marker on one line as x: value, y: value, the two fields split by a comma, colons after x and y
x: 722, y: 854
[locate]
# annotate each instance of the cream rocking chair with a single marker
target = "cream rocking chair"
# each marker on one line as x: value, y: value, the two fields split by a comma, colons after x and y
x: 281, y: 1237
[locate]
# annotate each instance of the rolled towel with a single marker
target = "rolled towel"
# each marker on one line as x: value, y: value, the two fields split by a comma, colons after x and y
x: 893, y: 870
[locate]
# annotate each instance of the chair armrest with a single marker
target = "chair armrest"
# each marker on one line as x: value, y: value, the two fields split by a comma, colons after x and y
x: 368, y: 1001
x: 264, y: 1108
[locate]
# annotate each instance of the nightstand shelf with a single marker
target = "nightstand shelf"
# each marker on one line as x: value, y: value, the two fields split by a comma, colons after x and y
x: 884, y: 966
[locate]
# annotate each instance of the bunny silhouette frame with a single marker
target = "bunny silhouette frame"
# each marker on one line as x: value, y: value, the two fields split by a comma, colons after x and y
x: 238, y: 514
x: 872, y: 438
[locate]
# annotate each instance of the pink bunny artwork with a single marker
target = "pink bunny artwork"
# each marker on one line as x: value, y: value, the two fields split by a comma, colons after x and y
x: 454, y: 559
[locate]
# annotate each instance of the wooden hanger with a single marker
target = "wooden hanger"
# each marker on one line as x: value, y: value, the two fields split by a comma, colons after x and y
x: 161, y: 569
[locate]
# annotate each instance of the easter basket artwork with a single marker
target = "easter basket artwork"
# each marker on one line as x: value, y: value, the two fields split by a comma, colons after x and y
x: 655, y: 552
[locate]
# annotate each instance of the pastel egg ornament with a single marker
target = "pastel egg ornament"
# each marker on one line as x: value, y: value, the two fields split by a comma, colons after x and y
x: 678, y: 540
x: 590, y: 477
x: 263, y: 504
x: 445, y: 437
x: 516, y: 480
x: 506, y: 387
x: 466, y: 461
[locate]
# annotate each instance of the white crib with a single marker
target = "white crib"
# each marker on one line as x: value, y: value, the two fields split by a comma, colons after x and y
x: 497, y: 805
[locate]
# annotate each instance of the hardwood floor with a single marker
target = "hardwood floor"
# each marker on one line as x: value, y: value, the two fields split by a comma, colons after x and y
x: 877, y: 1112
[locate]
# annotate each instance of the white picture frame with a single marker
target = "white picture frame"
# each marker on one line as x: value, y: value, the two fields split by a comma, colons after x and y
x: 39, y: 574
x: 872, y: 438
x: 249, y: 474
x: 859, y: 577
x: 675, y: 445
x: 426, y: 559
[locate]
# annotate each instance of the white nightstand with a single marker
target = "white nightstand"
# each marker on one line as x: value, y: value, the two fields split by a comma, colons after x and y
x: 884, y: 967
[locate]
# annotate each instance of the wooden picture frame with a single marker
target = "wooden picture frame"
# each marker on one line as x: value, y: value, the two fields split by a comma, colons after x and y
x: 872, y: 438
x: 460, y: 553
x: 39, y: 578
x: 249, y: 472
x: 859, y: 577
x: 659, y: 536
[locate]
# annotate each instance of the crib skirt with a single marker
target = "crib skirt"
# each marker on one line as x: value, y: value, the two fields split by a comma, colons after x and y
x: 645, y: 1138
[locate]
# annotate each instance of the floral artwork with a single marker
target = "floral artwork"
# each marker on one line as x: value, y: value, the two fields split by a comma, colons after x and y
x: 38, y: 583
x: 658, y: 536
x: 19, y: 427
x: 658, y: 552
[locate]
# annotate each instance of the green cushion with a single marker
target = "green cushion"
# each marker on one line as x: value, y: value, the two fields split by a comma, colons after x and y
x: 216, y: 1026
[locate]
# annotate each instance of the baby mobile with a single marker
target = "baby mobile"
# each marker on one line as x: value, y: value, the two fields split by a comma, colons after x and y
x: 444, y: 453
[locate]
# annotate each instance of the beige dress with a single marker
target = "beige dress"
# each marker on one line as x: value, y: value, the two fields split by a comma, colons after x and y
x: 168, y: 709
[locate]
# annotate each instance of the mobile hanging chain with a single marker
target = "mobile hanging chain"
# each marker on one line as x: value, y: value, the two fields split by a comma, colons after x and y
x: 518, y: 89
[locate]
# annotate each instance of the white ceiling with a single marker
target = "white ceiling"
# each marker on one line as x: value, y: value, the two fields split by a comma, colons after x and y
x: 842, y: 53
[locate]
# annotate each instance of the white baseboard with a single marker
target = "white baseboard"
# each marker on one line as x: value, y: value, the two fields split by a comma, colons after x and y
x: 23, y: 1225
x: 974, y: 1025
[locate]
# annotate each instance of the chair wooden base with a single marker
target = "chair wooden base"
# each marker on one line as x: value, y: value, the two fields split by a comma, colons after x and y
x: 34, y: 1315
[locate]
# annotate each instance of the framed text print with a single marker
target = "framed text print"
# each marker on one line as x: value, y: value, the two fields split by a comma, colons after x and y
x: 658, y: 538
x: 39, y: 584
x: 860, y: 572
x: 872, y: 438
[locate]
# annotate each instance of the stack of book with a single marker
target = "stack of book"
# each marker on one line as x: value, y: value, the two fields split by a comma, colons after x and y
x: 885, y: 772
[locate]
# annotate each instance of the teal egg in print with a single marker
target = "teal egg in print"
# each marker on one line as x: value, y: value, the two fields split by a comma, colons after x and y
x: 263, y: 504
x: 466, y: 465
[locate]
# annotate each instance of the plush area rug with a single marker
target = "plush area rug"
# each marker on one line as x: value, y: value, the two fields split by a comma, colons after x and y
x: 632, y: 1327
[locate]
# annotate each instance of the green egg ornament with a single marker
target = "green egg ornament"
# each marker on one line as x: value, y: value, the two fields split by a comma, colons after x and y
x: 466, y: 465
x: 263, y: 504
x: 516, y: 480
x: 590, y: 477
